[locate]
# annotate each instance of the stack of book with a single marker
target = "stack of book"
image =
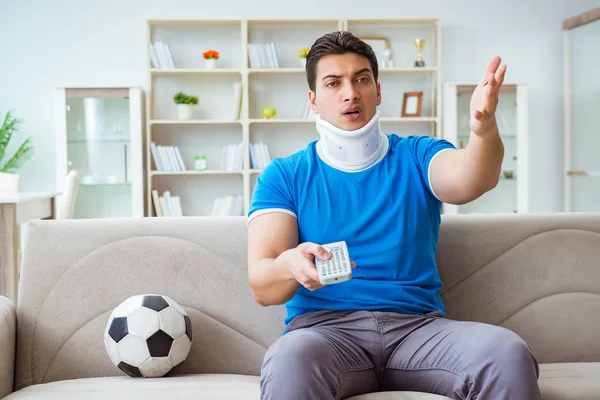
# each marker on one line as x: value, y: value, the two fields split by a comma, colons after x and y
x: 262, y: 55
x: 166, y: 205
x: 231, y: 205
x: 161, y: 55
x: 232, y: 157
x: 167, y: 158
x: 259, y: 155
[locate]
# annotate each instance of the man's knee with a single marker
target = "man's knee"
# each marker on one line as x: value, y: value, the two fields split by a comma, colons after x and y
x: 295, y: 351
x: 508, y: 351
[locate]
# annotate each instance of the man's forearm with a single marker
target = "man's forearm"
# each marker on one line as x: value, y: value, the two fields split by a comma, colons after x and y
x: 483, y: 160
x: 271, y: 282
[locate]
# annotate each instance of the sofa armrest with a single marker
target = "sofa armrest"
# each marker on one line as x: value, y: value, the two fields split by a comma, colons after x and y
x: 8, y: 336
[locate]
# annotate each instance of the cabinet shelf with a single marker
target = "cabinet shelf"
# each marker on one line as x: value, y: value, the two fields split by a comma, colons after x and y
x: 195, y: 71
x: 194, y: 122
x: 124, y: 140
x: 105, y: 184
x: 193, y: 172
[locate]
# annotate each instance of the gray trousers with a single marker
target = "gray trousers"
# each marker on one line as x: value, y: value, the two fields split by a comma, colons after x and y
x: 338, y: 354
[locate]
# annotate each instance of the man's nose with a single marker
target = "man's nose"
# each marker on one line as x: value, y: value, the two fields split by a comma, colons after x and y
x: 350, y: 93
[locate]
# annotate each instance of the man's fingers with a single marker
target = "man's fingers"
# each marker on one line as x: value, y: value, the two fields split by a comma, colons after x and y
x: 500, y: 75
x: 311, y: 277
x: 491, y: 67
x: 353, y: 264
x: 315, y: 249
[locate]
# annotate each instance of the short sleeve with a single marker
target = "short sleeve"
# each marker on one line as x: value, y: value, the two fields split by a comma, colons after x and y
x: 272, y: 192
x: 424, y: 150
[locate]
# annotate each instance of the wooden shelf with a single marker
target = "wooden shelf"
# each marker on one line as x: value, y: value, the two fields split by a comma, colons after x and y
x: 193, y: 122
x: 193, y: 172
x: 280, y: 121
x: 195, y: 71
x: 284, y: 88
x: 276, y: 71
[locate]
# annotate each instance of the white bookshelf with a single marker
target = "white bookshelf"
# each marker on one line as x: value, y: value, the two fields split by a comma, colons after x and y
x: 284, y: 87
x: 511, y: 195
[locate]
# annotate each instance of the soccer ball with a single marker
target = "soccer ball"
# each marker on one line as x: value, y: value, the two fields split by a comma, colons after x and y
x: 148, y: 335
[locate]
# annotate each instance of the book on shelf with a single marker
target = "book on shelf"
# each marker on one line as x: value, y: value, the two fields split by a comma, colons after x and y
x: 230, y: 205
x: 232, y: 157
x: 259, y: 155
x: 307, y: 112
x: 262, y: 55
x: 167, y: 158
x: 161, y: 55
x: 237, y: 100
x: 166, y: 205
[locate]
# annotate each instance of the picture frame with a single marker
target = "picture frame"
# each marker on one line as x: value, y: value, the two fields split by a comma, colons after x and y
x: 381, y: 47
x: 411, y: 104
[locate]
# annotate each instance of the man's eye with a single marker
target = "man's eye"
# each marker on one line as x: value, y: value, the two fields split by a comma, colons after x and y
x: 332, y: 84
x: 363, y: 79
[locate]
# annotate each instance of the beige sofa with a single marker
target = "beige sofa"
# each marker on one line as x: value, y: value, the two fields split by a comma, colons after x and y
x: 538, y: 275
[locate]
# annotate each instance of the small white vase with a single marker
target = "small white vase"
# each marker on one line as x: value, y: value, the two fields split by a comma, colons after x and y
x: 211, y: 63
x: 9, y: 184
x: 303, y: 62
x: 184, y: 111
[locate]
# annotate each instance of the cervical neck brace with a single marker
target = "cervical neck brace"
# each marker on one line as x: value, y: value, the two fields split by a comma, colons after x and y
x: 351, y: 150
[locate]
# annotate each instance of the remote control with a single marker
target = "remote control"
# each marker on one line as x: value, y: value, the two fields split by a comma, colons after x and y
x: 337, y: 269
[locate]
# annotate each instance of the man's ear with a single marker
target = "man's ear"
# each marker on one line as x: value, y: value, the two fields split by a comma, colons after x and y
x: 378, y: 93
x: 312, y: 100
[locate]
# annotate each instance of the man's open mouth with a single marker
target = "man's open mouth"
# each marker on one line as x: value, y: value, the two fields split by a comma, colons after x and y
x: 352, y: 111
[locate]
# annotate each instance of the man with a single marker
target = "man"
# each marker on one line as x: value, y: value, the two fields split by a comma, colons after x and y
x: 385, y: 329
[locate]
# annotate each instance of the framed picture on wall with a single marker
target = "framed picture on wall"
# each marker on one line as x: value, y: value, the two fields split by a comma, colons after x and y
x: 381, y: 47
x: 411, y: 105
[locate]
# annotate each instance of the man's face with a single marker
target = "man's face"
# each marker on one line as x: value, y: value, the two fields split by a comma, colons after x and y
x: 346, y: 94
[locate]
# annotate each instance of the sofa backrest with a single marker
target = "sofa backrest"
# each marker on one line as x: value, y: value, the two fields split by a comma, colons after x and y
x: 75, y: 272
x: 537, y: 274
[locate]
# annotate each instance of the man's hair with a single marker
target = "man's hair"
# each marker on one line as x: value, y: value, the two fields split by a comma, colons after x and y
x: 339, y: 42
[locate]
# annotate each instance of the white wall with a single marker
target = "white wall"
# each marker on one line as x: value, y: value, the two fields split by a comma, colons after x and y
x: 48, y: 43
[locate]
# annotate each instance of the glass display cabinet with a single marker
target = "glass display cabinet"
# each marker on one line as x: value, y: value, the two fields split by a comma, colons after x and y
x: 99, y: 135
x: 511, y: 193
x: 581, y: 110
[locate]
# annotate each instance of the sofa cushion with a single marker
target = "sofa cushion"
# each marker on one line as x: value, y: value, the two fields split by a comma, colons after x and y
x: 205, y: 386
x: 557, y: 381
x: 576, y: 381
x: 197, y: 386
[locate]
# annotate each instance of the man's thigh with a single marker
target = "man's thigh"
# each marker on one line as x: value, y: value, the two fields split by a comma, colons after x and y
x: 445, y: 356
x: 316, y: 354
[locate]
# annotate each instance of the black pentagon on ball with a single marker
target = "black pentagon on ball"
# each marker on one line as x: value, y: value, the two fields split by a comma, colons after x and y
x: 118, y: 328
x: 188, y: 327
x: 159, y: 344
x: 155, y: 303
x: 130, y: 370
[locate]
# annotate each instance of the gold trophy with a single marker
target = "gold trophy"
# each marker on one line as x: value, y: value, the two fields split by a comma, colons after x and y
x: 419, y: 44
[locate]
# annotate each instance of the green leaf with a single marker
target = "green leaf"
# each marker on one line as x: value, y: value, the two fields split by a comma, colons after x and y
x: 21, y: 155
x: 9, y: 126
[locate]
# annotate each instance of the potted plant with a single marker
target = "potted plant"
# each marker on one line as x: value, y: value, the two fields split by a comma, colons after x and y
x: 303, y: 54
x: 185, y: 104
x: 9, y: 179
x: 211, y: 57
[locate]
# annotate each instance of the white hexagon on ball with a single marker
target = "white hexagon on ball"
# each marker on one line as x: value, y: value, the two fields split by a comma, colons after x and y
x: 148, y: 335
x: 172, y: 322
x: 143, y: 322
x: 133, y: 350
x: 155, y: 367
x: 180, y: 350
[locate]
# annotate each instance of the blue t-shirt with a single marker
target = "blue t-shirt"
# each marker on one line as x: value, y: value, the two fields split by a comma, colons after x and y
x: 387, y: 214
